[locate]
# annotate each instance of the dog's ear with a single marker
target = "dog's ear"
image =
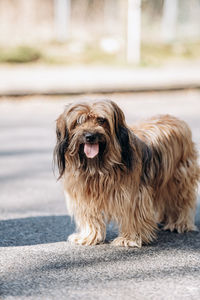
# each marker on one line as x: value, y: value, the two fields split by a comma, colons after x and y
x: 126, y: 150
x: 123, y: 136
x: 62, y: 144
x: 146, y: 162
x: 119, y: 118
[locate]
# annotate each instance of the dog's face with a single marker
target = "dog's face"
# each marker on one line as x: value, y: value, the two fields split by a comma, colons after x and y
x: 92, y: 136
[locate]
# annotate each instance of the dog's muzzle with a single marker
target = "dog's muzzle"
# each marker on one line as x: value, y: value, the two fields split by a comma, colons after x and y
x: 91, y: 145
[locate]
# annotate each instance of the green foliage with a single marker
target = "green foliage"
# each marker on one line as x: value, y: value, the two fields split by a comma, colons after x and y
x: 159, y: 54
x: 54, y: 53
x: 19, y: 54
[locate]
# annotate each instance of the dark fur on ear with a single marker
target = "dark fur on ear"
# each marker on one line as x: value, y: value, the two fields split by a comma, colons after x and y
x: 146, y: 162
x: 126, y: 150
x: 62, y: 144
x: 122, y: 133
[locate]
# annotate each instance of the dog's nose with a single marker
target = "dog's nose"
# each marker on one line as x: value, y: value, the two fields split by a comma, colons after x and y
x: 90, y: 137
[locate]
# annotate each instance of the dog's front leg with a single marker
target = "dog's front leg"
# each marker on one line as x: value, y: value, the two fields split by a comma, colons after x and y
x: 92, y: 230
x: 90, y: 223
x: 137, y: 225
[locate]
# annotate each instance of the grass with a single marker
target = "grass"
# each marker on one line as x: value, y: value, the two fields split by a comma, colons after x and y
x: 54, y: 53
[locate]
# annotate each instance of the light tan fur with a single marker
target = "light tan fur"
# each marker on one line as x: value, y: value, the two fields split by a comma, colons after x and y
x: 144, y: 175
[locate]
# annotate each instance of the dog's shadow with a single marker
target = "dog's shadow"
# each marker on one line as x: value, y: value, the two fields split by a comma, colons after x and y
x: 53, y: 229
x: 35, y: 230
x: 40, y: 230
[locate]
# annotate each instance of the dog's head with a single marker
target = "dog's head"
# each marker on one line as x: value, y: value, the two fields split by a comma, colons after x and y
x: 93, y: 136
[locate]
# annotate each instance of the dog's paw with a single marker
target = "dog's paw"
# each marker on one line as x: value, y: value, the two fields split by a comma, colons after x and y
x: 78, y: 238
x: 126, y: 242
x: 180, y: 228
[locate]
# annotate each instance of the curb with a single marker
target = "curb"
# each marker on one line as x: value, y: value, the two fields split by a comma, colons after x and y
x: 76, y: 81
x: 110, y: 90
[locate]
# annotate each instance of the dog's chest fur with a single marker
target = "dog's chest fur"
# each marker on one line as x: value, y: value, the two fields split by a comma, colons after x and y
x: 101, y: 191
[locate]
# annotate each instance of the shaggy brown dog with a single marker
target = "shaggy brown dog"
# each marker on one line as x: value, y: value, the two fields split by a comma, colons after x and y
x: 136, y: 176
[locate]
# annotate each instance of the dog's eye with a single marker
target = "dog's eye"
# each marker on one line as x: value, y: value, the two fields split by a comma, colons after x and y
x: 100, y: 121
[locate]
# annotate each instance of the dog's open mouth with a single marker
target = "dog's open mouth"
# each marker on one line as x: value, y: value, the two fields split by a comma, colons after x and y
x: 91, y: 150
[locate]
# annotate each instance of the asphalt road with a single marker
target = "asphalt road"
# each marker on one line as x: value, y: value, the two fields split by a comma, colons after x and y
x: 36, y: 262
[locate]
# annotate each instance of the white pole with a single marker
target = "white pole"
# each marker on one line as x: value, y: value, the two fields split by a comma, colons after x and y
x: 62, y: 19
x: 169, y: 18
x: 109, y: 9
x: 134, y: 31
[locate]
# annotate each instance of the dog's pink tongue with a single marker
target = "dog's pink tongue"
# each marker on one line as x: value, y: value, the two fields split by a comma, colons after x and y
x: 91, y: 150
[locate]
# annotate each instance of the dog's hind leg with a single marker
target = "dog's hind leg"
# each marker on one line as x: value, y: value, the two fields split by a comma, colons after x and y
x: 181, y: 193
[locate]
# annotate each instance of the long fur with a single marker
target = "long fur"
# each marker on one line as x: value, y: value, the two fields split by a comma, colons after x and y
x: 143, y: 175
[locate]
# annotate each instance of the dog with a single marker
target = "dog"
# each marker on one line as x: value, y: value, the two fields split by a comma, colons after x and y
x: 138, y: 176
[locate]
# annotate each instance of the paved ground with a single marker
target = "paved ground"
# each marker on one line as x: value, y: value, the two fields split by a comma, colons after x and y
x: 36, y: 262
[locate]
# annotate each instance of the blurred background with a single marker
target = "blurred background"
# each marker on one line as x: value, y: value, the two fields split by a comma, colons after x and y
x: 116, y: 32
